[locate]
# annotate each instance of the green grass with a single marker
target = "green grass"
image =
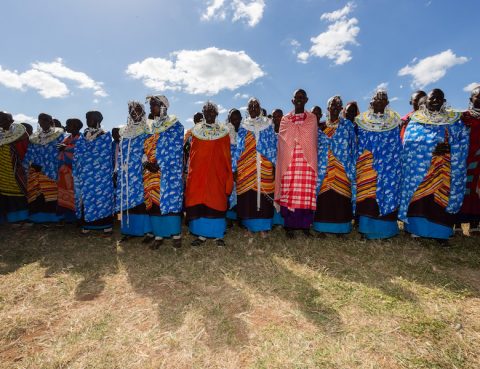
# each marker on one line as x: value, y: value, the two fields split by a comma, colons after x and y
x: 68, y: 301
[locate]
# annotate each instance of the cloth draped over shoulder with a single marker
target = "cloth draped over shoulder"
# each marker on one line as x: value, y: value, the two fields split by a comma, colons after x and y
x: 291, y: 133
x: 384, y: 143
x: 343, y: 146
x: 130, y: 189
x: 265, y: 139
x: 210, y: 178
x: 169, y: 155
x: 15, y: 149
x: 420, y: 141
x: 92, y: 172
x: 471, y: 202
x: 44, y: 155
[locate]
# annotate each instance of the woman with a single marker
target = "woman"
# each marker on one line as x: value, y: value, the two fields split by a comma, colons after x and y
x: 433, y: 169
x: 66, y: 192
x: 13, y: 180
x: 130, y: 186
x: 296, y: 170
x: 162, y: 174
x: 254, y: 165
x: 93, y: 175
x: 210, y: 179
x: 337, y: 151
x: 378, y: 169
x: 41, y: 163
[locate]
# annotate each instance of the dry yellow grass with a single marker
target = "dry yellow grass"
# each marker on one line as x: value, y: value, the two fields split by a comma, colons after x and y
x: 72, y: 302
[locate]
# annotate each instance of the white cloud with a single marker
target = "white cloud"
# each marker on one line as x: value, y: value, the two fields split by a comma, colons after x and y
x: 45, y: 84
x: 332, y: 43
x: 214, y: 10
x: 469, y: 88
x: 432, y: 68
x: 206, y: 71
x: 238, y: 95
x: 10, y: 79
x: 338, y: 14
x: 394, y: 99
x: 47, y: 80
x: 249, y: 11
x: 22, y: 118
x: 59, y: 70
x: 302, y: 57
x: 294, y: 43
x: 221, y: 109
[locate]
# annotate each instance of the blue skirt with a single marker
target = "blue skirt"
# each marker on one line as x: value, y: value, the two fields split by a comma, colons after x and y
x: 424, y: 228
x: 231, y: 214
x: 17, y: 216
x: 340, y: 228
x: 45, y: 218
x: 137, y: 225
x: 258, y: 225
x: 374, y: 229
x: 278, y: 219
x: 208, y: 227
x: 166, y: 225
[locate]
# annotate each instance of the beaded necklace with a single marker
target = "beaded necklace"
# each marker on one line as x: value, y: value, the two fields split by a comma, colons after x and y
x: 378, y: 122
x: 15, y: 131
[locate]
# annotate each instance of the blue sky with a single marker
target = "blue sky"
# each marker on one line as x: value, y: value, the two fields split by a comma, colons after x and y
x: 66, y: 57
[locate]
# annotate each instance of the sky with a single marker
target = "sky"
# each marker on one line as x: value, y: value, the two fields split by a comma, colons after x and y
x: 66, y: 57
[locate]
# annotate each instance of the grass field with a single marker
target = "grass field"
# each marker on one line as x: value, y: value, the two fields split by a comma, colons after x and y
x: 68, y: 301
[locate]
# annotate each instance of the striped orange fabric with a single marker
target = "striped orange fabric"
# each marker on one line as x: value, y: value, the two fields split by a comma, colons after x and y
x: 247, y: 169
x: 366, y: 177
x: 336, y: 178
x: 330, y: 131
x: 39, y: 184
x: 436, y: 181
x: 151, y: 181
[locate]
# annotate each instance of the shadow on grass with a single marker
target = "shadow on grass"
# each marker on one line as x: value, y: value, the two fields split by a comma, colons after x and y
x: 60, y: 250
x: 187, y: 283
x: 200, y: 280
x: 197, y: 281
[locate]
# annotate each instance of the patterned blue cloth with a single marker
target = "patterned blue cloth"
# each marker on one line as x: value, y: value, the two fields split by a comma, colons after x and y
x: 266, y: 145
x: 419, y: 143
x: 92, y: 173
x: 45, y: 156
x: 343, y: 145
x: 386, y: 148
x: 169, y: 156
x: 130, y: 192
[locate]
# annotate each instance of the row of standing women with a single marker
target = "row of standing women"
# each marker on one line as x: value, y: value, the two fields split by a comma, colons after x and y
x: 299, y: 172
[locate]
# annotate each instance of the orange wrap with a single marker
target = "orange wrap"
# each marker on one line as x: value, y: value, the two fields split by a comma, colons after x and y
x: 210, y: 178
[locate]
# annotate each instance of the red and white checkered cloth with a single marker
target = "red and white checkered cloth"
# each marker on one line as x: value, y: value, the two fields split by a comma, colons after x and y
x: 298, y: 183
